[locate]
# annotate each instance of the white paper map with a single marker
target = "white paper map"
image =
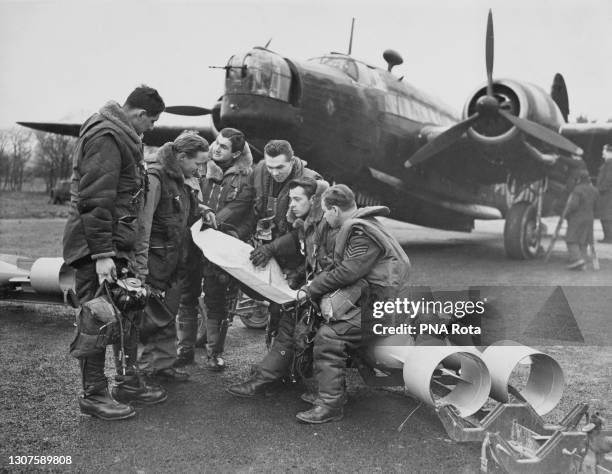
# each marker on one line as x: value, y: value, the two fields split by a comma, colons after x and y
x: 233, y: 256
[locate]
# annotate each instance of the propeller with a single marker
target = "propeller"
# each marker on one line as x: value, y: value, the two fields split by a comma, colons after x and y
x: 489, y: 53
x: 71, y: 129
x: 541, y: 133
x: 489, y: 107
x: 441, y: 142
x: 188, y: 110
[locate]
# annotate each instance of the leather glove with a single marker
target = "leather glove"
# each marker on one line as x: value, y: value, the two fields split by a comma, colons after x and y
x: 303, y: 293
x: 261, y: 255
x: 208, y: 216
x: 295, y: 279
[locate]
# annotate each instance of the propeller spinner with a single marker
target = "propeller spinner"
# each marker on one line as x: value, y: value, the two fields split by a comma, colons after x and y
x: 489, y: 108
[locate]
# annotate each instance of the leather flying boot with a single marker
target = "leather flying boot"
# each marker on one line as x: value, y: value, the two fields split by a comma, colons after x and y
x: 96, y: 399
x: 133, y: 389
x: 320, y: 414
x: 201, y: 334
x: 102, y: 405
x: 215, y: 363
x: 252, y: 387
x: 214, y: 345
x: 186, y: 330
x: 184, y: 359
x: 311, y: 397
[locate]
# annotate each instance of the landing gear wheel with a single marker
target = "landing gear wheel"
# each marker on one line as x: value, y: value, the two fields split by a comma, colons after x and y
x: 521, y: 239
x: 254, y: 321
x: 252, y: 313
x: 257, y: 319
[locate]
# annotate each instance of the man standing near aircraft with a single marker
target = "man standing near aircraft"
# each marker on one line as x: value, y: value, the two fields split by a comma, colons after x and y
x: 170, y: 208
x: 315, y: 238
x: 227, y: 202
x: 366, y: 258
x: 579, y: 212
x: 604, y: 186
x: 108, y: 188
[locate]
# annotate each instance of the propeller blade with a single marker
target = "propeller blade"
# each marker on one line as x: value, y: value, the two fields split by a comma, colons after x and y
x: 441, y: 142
x: 558, y: 93
x: 71, y: 129
x: 490, y: 41
x: 189, y: 110
x: 542, y: 133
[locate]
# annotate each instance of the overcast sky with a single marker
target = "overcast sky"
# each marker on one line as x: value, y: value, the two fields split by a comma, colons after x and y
x: 64, y: 59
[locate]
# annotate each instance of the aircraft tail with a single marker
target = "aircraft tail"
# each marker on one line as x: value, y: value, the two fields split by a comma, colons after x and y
x: 558, y: 93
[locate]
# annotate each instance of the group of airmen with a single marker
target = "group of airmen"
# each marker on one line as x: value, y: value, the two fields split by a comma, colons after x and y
x: 131, y: 219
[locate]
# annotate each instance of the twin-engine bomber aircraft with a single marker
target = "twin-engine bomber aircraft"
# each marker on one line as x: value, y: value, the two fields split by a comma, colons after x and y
x: 508, y: 156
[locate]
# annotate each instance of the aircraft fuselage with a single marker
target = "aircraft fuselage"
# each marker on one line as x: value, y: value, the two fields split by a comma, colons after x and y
x: 350, y: 120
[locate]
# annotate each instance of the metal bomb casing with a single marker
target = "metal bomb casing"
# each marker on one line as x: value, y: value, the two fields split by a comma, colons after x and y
x: 421, y: 365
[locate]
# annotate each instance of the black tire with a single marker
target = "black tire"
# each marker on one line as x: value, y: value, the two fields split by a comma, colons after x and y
x: 520, y: 239
x: 255, y: 320
x: 252, y: 312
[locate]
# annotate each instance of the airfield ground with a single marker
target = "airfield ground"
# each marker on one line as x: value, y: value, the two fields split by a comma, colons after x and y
x: 201, y: 427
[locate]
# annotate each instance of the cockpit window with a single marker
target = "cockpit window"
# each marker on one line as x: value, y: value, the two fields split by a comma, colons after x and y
x: 344, y: 64
x: 259, y: 72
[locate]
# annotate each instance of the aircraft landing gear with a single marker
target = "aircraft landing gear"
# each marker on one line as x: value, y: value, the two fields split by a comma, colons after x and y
x: 521, y: 240
x: 252, y: 313
x: 523, y: 227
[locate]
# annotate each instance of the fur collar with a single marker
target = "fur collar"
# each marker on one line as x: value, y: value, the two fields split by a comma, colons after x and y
x: 242, y: 165
x: 113, y: 112
x: 111, y: 117
x: 372, y: 211
x: 166, y: 159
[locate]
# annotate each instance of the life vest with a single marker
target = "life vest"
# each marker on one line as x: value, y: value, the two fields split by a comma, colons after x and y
x: 392, y: 270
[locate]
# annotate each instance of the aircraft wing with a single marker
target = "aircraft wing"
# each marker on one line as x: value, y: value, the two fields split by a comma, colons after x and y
x: 161, y: 134
x: 591, y: 137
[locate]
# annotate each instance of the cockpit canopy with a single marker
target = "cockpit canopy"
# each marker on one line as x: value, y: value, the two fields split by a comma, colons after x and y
x: 356, y: 70
x: 258, y: 72
x: 342, y: 63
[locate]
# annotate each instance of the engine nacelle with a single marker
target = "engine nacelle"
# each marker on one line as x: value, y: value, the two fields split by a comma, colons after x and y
x: 518, y: 98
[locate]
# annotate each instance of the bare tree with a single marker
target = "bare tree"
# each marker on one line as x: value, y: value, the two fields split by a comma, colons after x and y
x: 5, y: 160
x: 16, y: 149
x: 53, y: 157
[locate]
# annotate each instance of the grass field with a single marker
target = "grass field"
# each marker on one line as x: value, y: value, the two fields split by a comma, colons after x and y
x: 38, y: 380
x: 32, y: 237
x: 29, y: 204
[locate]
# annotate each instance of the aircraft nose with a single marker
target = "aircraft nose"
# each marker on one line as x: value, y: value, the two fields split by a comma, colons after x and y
x: 260, y: 81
